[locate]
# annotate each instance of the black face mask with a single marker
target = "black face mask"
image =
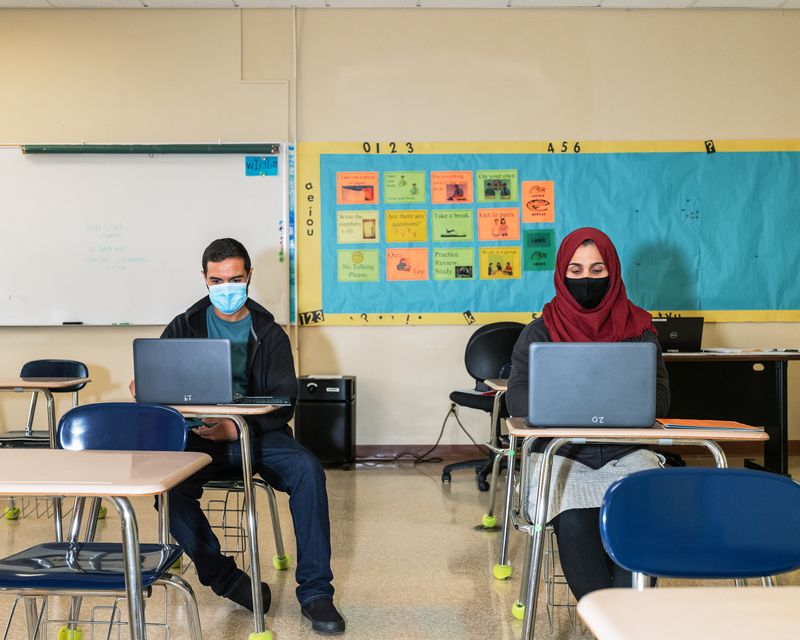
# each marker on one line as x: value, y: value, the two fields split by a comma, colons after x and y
x: 588, y: 292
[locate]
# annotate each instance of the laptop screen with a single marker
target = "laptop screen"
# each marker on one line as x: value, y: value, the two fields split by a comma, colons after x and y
x: 592, y: 384
x: 679, y: 334
x: 182, y: 371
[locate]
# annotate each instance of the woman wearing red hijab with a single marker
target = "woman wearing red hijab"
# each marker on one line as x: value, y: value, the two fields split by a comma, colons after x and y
x: 590, y: 305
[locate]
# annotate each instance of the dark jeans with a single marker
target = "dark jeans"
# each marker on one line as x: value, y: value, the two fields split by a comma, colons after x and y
x: 285, y: 465
x: 585, y: 562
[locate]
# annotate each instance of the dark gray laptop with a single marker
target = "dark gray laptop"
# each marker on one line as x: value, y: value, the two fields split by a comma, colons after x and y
x: 188, y: 371
x: 592, y: 384
x: 679, y: 334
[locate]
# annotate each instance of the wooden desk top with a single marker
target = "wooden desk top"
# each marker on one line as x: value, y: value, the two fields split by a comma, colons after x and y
x: 517, y: 427
x: 497, y: 384
x: 692, y: 613
x: 41, y: 383
x: 226, y: 410
x: 94, y: 473
x: 738, y: 356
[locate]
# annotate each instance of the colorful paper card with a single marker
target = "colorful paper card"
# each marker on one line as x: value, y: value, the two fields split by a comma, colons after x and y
x: 500, y: 223
x: 406, y: 264
x: 406, y: 226
x: 404, y: 186
x: 452, y: 225
x: 538, y: 201
x: 261, y: 165
x: 451, y: 187
x: 496, y: 186
x: 357, y: 265
x: 454, y: 264
x: 357, y: 226
x: 539, y: 250
x: 357, y: 187
x: 500, y: 263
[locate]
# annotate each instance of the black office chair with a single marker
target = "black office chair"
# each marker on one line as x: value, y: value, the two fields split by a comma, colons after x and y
x: 488, y: 355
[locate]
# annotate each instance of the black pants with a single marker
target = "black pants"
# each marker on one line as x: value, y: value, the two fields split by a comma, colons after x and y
x: 585, y: 562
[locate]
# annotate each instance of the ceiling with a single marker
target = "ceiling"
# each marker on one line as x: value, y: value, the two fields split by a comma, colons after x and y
x: 387, y: 4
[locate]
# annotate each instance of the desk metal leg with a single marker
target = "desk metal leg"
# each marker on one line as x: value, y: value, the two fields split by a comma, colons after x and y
x: 133, y: 575
x: 252, y: 523
x: 488, y: 520
x: 502, y: 569
x: 539, y: 522
x: 51, y: 428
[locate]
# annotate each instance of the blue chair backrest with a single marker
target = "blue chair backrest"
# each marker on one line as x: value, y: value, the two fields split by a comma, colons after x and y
x: 56, y: 369
x: 126, y: 426
x: 703, y: 523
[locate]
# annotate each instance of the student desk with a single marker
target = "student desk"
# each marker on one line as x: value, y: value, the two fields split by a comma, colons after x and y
x: 45, y: 386
x: 692, y: 613
x: 237, y: 414
x: 115, y: 475
x: 534, y: 524
x: 748, y: 386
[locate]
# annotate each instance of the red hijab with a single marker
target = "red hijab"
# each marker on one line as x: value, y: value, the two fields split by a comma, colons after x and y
x: 615, y: 319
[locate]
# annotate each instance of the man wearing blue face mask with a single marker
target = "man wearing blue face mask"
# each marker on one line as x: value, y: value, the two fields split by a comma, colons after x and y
x: 262, y: 365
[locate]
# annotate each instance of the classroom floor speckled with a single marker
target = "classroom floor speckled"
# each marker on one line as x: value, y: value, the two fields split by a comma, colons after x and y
x: 407, y: 561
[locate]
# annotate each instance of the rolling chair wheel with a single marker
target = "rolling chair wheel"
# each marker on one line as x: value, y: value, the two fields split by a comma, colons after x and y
x: 12, y: 513
x: 70, y: 634
x: 281, y: 562
x: 503, y: 572
x: 518, y: 610
x: 445, y: 476
x: 483, y: 485
x: 101, y: 513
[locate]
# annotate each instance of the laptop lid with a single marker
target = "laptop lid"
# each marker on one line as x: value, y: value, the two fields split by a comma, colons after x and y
x: 592, y: 384
x: 679, y: 334
x: 182, y: 371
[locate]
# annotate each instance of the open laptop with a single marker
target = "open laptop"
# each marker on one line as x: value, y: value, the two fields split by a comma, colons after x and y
x: 188, y: 371
x: 592, y: 384
x: 679, y: 334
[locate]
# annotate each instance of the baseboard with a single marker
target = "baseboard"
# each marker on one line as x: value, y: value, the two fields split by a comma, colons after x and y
x: 468, y: 451
x: 443, y: 451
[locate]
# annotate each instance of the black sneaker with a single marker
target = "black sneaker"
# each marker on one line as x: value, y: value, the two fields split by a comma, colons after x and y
x: 323, y: 615
x: 242, y: 594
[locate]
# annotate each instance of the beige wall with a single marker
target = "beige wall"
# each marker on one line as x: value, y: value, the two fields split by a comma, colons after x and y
x: 428, y: 75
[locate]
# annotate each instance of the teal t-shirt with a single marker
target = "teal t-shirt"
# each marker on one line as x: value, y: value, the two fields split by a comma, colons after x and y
x: 238, y: 333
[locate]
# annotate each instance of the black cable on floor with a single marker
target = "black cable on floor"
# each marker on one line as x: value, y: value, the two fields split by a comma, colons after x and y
x: 422, y: 458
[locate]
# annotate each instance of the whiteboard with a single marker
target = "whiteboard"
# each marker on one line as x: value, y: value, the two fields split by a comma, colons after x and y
x: 116, y: 239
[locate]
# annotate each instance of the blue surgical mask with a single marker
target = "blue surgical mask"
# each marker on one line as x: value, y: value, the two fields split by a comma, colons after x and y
x: 228, y: 297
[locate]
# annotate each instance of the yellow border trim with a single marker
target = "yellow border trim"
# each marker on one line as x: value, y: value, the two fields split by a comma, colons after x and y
x: 308, y: 217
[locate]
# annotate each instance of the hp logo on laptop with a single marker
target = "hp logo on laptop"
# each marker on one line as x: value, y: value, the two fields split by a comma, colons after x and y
x: 187, y: 397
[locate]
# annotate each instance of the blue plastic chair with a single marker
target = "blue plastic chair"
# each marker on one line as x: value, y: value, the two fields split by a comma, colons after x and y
x: 27, y: 437
x: 99, y: 567
x: 702, y: 523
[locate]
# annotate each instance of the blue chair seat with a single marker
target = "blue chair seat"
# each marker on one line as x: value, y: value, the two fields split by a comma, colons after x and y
x: 92, y: 566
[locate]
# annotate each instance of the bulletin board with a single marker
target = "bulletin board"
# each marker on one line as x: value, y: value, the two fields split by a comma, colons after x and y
x: 420, y: 233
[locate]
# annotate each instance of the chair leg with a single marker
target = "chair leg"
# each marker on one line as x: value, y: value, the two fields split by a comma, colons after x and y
x: 192, y: 612
x: 280, y: 561
x: 34, y: 618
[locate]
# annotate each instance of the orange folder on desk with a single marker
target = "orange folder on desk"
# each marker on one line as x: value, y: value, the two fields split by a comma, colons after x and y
x: 690, y: 423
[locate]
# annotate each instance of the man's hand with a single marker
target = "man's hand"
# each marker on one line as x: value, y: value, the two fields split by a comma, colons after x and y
x: 218, y: 430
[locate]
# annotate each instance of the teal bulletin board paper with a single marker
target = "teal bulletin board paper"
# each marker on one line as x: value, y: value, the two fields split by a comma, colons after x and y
x: 694, y: 231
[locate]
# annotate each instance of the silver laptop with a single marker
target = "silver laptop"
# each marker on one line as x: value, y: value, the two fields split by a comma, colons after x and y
x: 679, y: 334
x: 592, y: 384
x: 188, y: 371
